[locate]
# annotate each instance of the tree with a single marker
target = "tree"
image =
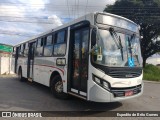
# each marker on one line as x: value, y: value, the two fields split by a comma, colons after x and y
x: 146, y: 13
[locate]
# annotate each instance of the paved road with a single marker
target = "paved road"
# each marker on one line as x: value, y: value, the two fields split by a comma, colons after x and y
x: 26, y: 96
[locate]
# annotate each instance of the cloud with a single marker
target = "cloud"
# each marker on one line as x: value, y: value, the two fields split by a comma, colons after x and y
x: 8, y: 10
x: 55, y: 19
x: 37, y: 16
x: 40, y: 4
x: 11, y: 39
x: 76, y: 8
x: 12, y: 32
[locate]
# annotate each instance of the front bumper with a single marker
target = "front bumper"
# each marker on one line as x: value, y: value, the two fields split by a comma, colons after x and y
x: 99, y: 94
x: 120, y: 92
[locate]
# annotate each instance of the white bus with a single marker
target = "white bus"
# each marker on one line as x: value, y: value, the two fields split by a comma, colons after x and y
x: 96, y: 57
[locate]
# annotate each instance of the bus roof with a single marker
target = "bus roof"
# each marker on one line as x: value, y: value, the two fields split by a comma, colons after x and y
x: 73, y: 22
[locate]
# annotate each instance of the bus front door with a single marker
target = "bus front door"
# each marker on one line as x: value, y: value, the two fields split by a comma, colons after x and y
x: 30, y: 60
x: 78, y: 62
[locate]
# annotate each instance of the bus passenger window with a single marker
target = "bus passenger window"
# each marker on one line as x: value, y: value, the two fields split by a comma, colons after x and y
x: 48, y: 46
x: 19, y: 51
x: 60, y: 43
x: 22, y: 49
x: 26, y: 50
x: 60, y: 37
x: 59, y: 49
x: 39, y: 49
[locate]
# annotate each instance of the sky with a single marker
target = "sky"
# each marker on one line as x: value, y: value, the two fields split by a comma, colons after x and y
x: 23, y: 19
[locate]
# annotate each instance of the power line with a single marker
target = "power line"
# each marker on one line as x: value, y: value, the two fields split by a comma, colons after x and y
x: 75, y: 10
x: 22, y: 17
x: 27, y: 12
x: 86, y: 6
x: 68, y: 8
x: 15, y: 34
x: 25, y: 22
x: 52, y: 5
x: 78, y: 8
x: 59, y: 6
x: 29, y: 17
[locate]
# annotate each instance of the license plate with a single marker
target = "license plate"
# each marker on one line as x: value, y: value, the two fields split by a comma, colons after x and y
x: 129, y: 93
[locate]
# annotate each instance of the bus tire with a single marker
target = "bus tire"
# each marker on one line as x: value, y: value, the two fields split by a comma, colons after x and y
x: 57, y: 87
x: 20, y: 77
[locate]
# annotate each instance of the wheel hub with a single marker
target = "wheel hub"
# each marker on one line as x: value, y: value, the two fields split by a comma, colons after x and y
x: 59, y: 87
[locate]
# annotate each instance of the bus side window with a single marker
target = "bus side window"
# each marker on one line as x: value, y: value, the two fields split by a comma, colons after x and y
x: 19, y: 51
x: 26, y: 50
x: 60, y: 43
x: 39, y: 49
x: 48, y: 46
x: 24, y: 46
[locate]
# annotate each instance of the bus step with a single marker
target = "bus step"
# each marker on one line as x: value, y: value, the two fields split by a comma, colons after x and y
x: 30, y: 79
x: 84, y: 98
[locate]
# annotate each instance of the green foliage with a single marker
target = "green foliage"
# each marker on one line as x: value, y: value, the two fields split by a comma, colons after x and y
x: 146, y: 13
x: 151, y: 72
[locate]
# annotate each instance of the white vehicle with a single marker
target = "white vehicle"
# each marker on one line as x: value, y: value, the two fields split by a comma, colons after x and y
x: 96, y: 57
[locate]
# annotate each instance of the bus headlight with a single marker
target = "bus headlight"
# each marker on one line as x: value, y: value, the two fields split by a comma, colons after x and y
x: 97, y: 80
x: 105, y: 85
x: 101, y: 82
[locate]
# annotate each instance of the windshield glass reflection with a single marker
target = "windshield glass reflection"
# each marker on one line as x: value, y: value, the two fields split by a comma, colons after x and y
x: 108, y: 53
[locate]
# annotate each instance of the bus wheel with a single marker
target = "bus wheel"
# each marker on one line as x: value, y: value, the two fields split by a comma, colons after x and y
x: 20, y: 77
x: 57, y: 88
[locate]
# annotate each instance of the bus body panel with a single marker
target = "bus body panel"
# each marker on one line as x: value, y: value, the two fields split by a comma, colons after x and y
x: 98, y: 94
x: 23, y: 63
x: 13, y: 64
x: 95, y: 92
x: 123, y: 82
x: 44, y: 67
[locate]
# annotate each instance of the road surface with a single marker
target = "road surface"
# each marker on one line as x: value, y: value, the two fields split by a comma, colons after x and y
x: 26, y: 96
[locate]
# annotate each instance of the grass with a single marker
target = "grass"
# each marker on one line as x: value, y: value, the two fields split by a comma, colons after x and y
x: 151, y: 73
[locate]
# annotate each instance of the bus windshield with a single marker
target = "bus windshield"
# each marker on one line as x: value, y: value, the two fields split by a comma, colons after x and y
x: 119, y: 50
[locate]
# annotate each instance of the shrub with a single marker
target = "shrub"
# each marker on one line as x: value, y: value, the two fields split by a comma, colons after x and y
x: 151, y: 72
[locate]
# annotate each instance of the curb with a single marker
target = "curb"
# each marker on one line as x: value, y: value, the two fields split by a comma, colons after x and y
x: 146, y: 81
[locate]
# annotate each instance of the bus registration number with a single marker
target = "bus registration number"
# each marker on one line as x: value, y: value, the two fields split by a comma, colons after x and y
x: 129, y: 93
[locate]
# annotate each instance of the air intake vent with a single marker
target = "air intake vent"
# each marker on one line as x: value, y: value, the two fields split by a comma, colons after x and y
x: 125, y: 72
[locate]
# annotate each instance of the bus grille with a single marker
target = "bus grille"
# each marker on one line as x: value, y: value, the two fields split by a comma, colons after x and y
x: 120, y: 92
x: 125, y: 73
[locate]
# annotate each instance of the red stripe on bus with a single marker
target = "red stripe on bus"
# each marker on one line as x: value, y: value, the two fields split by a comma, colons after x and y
x: 52, y: 67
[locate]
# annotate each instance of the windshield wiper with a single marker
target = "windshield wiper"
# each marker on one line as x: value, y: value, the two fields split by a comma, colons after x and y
x: 130, y: 47
x: 121, y: 47
x: 117, y: 40
x: 129, y: 44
